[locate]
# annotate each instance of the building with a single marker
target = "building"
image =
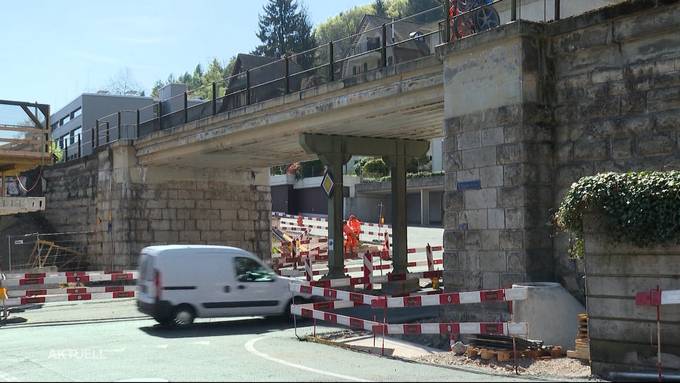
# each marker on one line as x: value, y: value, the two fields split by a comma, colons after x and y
x: 73, y: 125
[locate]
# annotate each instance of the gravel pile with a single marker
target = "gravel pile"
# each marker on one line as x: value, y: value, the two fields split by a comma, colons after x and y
x: 558, y: 367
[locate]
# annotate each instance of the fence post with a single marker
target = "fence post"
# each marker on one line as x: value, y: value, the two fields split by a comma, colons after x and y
x: 160, y: 115
x: 95, y: 134
x: 331, y: 62
x: 557, y: 9
x: 384, y: 45
x: 513, y: 10
x: 248, y: 87
x: 137, y: 124
x: 9, y: 245
x: 447, y: 29
x: 186, y: 106
x: 286, y: 72
x: 80, y: 153
x: 214, y: 98
x: 120, y: 126
x: 108, y: 130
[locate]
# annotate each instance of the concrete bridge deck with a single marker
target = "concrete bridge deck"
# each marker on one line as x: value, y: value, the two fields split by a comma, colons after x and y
x: 402, y: 101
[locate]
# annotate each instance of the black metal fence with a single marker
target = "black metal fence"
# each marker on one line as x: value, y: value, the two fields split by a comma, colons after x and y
x: 391, y: 43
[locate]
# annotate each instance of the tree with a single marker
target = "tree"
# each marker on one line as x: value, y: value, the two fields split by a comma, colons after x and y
x: 124, y: 83
x: 379, y: 8
x: 412, y: 7
x: 284, y: 29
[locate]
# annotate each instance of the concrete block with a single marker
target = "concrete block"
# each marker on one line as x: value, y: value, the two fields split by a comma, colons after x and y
x: 656, y: 144
x: 167, y: 237
x: 467, y: 175
x: 490, y: 239
x: 473, y: 240
x: 480, y: 199
x: 160, y: 225
x: 469, y: 140
x: 515, y: 218
x: 491, y: 176
x: 454, y: 239
x: 477, y: 158
x: 493, y: 136
x: 496, y: 218
x: 492, y: 261
x: 491, y: 280
x: 475, y: 219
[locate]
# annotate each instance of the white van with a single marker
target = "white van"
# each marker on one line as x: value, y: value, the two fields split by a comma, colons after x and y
x: 178, y: 283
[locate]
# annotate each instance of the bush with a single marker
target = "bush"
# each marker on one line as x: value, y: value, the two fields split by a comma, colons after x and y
x: 641, y: 208
x: 375, y: 168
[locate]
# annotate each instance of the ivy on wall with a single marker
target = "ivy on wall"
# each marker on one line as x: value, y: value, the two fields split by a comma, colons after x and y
x: 641, y: 208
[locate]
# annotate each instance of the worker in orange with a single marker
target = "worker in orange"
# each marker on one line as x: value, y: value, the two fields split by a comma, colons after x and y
x: 351, y: 230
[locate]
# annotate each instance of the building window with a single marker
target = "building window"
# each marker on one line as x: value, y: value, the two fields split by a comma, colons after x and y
x: 365, y: 67
x: 77, y: 134
x: 354, y: 70
x: 372, y: 43
x: 77, y: 113
x: 390, y: 60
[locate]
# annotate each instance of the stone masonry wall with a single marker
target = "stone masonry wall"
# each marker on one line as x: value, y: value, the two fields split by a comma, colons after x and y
x: 125, y: 207
x: 531, y: 108
x: 623, y: 334
x: 616, y: 100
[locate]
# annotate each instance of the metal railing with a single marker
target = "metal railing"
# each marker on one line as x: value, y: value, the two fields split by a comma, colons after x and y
x: 391, y: 43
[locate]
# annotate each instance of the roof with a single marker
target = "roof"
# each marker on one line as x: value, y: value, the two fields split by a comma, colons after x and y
x: 402, y: 29
x: 154, y: 250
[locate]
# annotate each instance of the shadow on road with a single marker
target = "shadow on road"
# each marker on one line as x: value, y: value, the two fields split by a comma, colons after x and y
x: 225, y: 327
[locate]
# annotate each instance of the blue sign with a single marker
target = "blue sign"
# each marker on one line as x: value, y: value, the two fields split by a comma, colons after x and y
x: 470, y: 185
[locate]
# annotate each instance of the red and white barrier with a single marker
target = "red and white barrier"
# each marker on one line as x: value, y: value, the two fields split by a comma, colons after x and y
x: 63, y: 274
x: 657, y: 297
x: 57, y: 280
x: 349, y: 299
x: 69, y: 291
x: 368, y: 270
x: 68, y: 298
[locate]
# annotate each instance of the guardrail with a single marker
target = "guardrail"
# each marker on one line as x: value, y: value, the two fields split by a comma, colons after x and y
x: 344, y: 58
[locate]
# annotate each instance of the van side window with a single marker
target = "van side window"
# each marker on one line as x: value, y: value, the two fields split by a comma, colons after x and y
x: 248, y: 270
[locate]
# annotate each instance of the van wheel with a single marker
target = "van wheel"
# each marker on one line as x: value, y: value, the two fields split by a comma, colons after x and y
x: 183, y: 316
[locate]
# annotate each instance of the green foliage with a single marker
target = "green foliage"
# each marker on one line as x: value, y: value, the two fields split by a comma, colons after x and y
x: 641, y: 208
x: 200, y: 82
x: 284, y: 28
x: 375, y: 167
x: 341, y: 25
x: 56, y: 152
x: 379, y: 8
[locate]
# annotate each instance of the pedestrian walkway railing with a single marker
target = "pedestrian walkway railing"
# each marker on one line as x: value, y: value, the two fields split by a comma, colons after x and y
x: 392, y: 43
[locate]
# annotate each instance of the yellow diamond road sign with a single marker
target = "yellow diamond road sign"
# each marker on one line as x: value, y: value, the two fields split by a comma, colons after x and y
x: 327, y: 184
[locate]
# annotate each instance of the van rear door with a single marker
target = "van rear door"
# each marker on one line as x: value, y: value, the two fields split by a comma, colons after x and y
x: 145, y: 284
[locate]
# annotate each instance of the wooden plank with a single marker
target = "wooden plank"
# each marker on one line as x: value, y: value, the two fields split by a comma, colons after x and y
x: 16, y: 128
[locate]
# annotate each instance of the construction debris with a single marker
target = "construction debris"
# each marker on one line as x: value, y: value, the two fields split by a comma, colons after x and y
x: 582, y: 340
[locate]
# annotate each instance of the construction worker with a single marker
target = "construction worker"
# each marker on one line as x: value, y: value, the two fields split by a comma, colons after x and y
x: 4, y: 313
x: 351, y: 229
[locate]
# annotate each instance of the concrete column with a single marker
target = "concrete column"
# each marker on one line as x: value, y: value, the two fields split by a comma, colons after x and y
x: 399, y: 229
x: 424, y: 207
x: 336, y: 260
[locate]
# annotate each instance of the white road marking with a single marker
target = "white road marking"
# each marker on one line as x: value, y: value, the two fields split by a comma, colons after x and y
x: 250, y: 347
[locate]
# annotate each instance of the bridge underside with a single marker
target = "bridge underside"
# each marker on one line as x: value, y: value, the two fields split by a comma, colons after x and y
x: 406, y: 105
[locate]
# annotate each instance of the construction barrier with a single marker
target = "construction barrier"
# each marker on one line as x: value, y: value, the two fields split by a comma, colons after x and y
x: 350, y: 299
x: 658, y: 298
x: 51, y: 287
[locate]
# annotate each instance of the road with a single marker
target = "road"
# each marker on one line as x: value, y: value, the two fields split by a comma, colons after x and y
x: 111, y: 341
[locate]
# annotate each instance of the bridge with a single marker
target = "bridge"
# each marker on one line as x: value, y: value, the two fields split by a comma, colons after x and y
x: 525, y: 109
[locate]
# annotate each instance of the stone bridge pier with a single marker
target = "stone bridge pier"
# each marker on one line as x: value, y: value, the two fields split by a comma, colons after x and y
x: 126, y: 206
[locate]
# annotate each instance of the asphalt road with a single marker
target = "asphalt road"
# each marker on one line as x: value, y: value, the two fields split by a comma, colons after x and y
x: 110, y: 341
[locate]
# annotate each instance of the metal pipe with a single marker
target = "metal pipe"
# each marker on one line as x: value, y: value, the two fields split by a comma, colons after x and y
x: 557, y: 9
x: 447, y: 30
x: 642, y: 376
x: 80, y: 154
x: 120, y: 125
x: 9, y: 243
x: 513, y: 10
x: 186, y: 105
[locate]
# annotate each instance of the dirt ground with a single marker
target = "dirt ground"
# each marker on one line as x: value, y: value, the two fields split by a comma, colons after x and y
x: 558, y: 367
